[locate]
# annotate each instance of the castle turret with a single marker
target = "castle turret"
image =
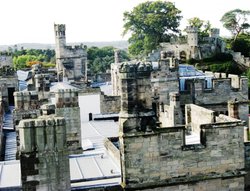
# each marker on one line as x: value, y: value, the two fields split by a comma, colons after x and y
x: 60, y: 38
x: 192, y: 35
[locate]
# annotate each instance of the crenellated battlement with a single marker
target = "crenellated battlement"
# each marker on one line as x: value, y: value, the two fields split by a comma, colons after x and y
x: 43, y: 154
x: 66, y: 105
x: 219, y: 83
x: 165, y: 159
x: 66, y: 98
x: 26, y: 100
x: 43, y: 134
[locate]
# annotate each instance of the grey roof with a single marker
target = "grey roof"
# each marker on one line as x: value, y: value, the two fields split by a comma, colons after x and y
x: 10, y: 174
x: 96, y: 132
x: 61, y: 85
x: 93, y: 167
x: 24, y: 75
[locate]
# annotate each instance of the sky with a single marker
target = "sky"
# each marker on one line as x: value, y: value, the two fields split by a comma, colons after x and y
x: 31, y: 21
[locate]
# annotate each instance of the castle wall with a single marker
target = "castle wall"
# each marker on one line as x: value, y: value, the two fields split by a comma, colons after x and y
x: 43, y: 155
x: 233, y: 184
x: 110, y: 104
x: 153, y: 157
x: 172, y: 114
x: 223, y: 90
x: 247, y: 164
x: 165, y: 80
x: 67, y: 107
x: 161, y: 158
x: 27, y: 106
x: 196, y: 116
x: 8, y: 83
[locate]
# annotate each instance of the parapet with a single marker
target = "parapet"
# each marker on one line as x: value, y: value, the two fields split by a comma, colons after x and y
x: 136, y: 70
x: 26, y: 100
x: 66, y: 98
x: 42, y: 134
x: 59, y: 29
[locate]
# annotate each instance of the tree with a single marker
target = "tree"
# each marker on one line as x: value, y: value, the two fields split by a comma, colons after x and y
x: 203, y: 26
x: 150, y: 23
x: 242, y: 44
x: 236, y: 21
x: 100, y: 59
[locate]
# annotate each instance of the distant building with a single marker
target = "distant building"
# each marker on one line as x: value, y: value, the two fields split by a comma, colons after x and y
x: 71, y: 61
x: 191, y: 46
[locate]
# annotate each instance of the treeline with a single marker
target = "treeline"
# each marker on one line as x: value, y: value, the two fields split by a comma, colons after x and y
x: 99, y: 59
x: 25, y: 58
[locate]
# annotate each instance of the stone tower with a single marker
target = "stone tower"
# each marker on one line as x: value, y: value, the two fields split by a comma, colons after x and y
x: 192, y: 41
x: 43, y: 154
x: 192, y: 35
x: 60, y: 38
x: 136, y: 116
x: 71, y: 61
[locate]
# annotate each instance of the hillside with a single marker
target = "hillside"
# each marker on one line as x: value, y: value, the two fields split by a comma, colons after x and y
x: 116, y: 44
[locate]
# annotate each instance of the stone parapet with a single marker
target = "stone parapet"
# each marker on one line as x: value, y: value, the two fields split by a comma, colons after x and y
x: 66, y: 98
x: 43, y: 154
x: 26, y: 100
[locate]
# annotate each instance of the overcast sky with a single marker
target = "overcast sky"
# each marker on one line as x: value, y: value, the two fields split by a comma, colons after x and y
x: 31, y: 21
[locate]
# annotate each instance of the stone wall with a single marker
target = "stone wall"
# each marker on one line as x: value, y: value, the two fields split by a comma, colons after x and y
x: 232, y: 184
x: 240, y: 59
x: 67, y: 107
x: 217, y: 98
x: 110, y: 104
x: 172, y: 114
x: 196, y: 115
x: 8, y: 84
x: 112, y: 149
x: 153, y: 157
x: 161, y: 157
x: 247, y: 164
x: 43, y: 154
x: 165, y: 80
x: 27, y: 106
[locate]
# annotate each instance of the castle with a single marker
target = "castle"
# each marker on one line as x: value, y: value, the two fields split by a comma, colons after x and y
x: 192, y: 46
x: 159, y: 112
x: 71, y: 61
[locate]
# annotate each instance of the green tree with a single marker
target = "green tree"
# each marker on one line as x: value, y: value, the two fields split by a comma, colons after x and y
x: 150, y: 23
x: 236, y: 21
x: 202, y: 26
x: 100, y: 59
x: 27, y: 57
x: 242, y: 44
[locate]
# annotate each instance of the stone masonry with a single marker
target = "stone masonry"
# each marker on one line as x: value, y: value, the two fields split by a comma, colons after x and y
x: 43, y: 154
x: 154, y: 158
x: 67, y: 106
x: 71, y: 61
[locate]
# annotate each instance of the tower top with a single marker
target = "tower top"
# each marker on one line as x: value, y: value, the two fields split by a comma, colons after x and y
x: 60, y: 30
